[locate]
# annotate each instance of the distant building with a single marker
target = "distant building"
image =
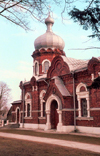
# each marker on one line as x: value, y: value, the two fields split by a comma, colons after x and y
x: 56, y: 97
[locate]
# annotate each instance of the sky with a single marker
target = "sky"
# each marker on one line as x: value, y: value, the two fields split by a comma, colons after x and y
x: 17, y: 46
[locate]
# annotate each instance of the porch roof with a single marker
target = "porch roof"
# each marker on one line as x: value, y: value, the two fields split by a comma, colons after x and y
x: 61, y: 87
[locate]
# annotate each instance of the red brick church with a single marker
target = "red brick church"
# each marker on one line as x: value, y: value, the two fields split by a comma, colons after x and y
x: 60, y: 94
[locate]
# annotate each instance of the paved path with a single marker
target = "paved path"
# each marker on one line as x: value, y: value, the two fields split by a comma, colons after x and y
x: 72, y: 144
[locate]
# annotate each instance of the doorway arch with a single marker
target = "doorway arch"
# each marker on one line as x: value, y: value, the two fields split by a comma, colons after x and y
x: 54, y: 102
x: 54, y: 114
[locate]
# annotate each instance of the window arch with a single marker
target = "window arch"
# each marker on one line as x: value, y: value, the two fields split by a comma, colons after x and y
x: 45, y: 65
x: 83, y: 100
x: 36, y: 68
x: 17, y: 115
x: 28, y: 104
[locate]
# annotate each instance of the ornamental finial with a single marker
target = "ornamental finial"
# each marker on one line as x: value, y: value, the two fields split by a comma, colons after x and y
x: 49, y: 10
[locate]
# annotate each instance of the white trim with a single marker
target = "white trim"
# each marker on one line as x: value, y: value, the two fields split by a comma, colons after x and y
x: 79, y: 86
x: 13, y: 112
x: 36, y: 110
x: 42, y: 118
x: 67, y: 109
x: 50, y: 99
x: 27, y: 95
x: 59, y: 111
x: 16, y: 114
x: 26, y: 104
x: 84, y: 118
x: 90, y: 130
x: 29, y: 125
x: 28, y: 117
x: 92, y: 77
x: 37, y: 68
x: 28, y: 101
x: 41, y: 101
x: 80, y: 95
x: 32, y: 126
x: 41, y: 126
x: 43, y: 64
x: 41, y: 93
x: 94, y: 109
x: 67, y: 129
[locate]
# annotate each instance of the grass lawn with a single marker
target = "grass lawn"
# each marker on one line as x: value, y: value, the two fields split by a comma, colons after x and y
x: 12, y: 147
x: 84, y: 139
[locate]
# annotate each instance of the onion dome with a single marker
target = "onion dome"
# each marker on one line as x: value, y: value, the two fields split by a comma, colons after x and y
x: 49, y: 39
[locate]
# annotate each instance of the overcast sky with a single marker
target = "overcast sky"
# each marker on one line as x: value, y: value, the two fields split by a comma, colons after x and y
x: 17, y: 46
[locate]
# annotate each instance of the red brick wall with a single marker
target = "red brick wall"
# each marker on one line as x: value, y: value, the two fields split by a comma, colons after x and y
x: 68, y: 118
x: 67, y: 102
x: 42, y: 121
x: 44, y: 54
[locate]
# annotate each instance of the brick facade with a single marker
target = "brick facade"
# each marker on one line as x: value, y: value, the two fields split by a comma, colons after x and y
x: 57, y: 95
x: 35, y: 87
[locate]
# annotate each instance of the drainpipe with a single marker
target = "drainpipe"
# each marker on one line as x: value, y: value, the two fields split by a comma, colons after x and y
x: 73, y: 75
x: 23, y: 93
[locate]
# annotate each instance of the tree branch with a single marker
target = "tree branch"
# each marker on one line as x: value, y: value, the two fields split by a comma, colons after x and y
x: 85, y: 48
x: 90, y: 4
x: 8, y: 7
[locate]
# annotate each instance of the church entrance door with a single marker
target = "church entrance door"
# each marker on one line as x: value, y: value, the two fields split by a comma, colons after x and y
x: 54, y: 114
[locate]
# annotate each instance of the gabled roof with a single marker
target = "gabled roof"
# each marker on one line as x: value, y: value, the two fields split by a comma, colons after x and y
x: 61, y: 87
x: 18, y: 101
x: 75, y: 64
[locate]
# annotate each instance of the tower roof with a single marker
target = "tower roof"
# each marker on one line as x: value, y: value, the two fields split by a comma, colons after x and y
x: 49, y: 39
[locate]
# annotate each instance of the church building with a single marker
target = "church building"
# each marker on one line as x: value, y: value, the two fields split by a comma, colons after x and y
x: 59, y: 94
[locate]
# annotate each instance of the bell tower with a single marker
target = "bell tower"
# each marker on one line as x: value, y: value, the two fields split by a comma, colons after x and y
x: 47, y: 46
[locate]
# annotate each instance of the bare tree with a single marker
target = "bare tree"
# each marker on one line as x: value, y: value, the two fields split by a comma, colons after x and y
x: 4, y: 95
x: 19, y: 11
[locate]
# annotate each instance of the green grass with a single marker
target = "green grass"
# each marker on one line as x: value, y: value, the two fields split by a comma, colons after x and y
x: 69, y: 137
x: 14, y: 147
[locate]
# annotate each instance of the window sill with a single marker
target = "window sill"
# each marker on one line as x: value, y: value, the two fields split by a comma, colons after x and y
x: 28, y: 118
x: 84, y: 118
x: 42, y: 117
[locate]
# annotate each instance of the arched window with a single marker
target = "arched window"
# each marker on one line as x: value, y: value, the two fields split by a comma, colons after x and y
x: 45, y: 65
x: 36, y: 68
x: 28, y: 110
x: 83, y: 100
x: 42, y: 102
x: 28, y: 107
x: 84, y: 107
x: 17, y: 115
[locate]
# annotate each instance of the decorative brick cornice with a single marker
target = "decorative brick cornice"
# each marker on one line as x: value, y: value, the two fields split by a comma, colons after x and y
x: 43, y: 51
x: 58, y: 67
